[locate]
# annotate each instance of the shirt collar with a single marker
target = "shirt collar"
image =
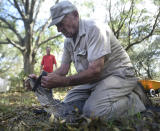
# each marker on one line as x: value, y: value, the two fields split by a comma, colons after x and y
x: 82, y: 30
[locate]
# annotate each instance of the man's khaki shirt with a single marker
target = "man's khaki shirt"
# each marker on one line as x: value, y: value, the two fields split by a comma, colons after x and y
x: 93, y: 41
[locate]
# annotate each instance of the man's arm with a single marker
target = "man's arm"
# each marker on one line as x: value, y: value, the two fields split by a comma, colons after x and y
x: 54, y: 62
x: 90, y: 75
x: 59, y: 79
x: 41, y: 68
x: 42, y: 63
x: 56, y: 66
x: 62, y: 70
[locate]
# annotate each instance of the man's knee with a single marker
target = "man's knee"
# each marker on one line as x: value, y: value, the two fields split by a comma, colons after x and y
x: 96, y: 111
x: 121, y: 108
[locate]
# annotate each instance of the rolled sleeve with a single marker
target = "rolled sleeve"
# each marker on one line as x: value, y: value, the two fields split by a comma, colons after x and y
x: 99, y: 43
x: 66, y: 57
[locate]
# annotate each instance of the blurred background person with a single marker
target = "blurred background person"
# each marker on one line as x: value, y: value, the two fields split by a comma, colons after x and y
x: 48, y: 61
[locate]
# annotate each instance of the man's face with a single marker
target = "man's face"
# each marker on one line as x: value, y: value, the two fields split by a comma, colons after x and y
x: 48, y: 51
x: 69, y: 25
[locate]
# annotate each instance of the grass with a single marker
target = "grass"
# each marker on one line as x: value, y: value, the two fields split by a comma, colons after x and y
x: 16, y: 113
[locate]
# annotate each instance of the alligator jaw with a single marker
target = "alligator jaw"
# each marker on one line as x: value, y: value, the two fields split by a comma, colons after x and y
x: 29, y: 84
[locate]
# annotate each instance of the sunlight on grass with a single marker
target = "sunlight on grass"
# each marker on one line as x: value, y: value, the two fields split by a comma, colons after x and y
x: 18, y: 98
x: 59, y: 95
x: 27, y: 98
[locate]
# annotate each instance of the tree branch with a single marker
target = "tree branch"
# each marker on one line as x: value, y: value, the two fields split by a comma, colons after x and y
x: 19, y: 10
x: 56, y: 1
x: 13, y: 17
x: 129, y: 23
x: 147, y: 36
x: 9, y: 41
x: 15, y: 45
x: 110, y: 16
x: 122, y: 21
x: 11, y: 28
x: 37, y: 11
x: 4, y: 70
x: 43, y: 42
x: 4, y: 42
x: 23, y: 2
x: 26, y: 6
x: 11, y: 3
x: 31, y: 10
x: 40, y: 32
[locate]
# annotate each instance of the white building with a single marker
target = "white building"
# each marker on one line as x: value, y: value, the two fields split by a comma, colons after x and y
x: 4, y: 85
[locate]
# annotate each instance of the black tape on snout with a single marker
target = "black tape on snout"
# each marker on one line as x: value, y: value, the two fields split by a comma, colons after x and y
x: 38, y: 81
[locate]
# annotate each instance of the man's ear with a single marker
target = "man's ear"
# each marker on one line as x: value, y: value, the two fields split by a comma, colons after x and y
x: 75, y: 13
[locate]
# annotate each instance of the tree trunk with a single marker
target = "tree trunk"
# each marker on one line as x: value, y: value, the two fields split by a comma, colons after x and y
x: 28, y: 63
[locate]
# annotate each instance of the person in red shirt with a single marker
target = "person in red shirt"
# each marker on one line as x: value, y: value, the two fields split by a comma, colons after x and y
x: 48, y: 61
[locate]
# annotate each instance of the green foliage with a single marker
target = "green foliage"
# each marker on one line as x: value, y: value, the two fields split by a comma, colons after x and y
x: 130, y: 22
x: 11, y: 65
x: 10, y: 60
x: 17, y: 81
x: 145, y: 58
x: 87, y: 6
x: 156, y: 2
x: 133, y: 25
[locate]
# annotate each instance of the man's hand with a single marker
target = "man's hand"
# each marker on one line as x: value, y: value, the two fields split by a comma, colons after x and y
x: 27, y: 85
x: 27, y: 82
x: 33, y: 76
x: 52, y: 80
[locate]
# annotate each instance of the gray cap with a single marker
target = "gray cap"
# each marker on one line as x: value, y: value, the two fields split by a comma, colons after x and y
x: 59, y: 10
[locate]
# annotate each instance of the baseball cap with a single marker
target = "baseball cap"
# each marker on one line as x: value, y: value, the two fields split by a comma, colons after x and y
x: 59, y: 10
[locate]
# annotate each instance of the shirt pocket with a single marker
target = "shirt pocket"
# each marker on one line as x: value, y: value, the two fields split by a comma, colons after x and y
x: 82, y: 54
x: 81, y: 62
